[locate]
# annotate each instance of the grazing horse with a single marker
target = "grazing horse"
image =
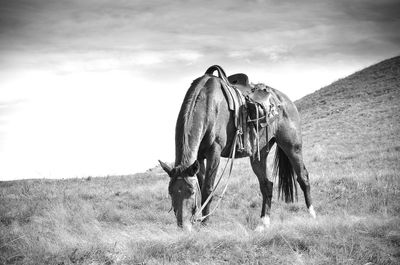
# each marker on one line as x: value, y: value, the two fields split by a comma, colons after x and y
x: 205, y: 132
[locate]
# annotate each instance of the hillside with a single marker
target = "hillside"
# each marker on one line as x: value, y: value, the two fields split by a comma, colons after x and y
x: 351, y: 134
x: 355, y: 122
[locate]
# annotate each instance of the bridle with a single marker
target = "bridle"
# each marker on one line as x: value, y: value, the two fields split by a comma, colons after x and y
x: 197, y: 193
x: 196, y: 217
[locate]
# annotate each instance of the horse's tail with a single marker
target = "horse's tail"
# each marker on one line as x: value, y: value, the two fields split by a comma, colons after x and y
x: 287, y: 180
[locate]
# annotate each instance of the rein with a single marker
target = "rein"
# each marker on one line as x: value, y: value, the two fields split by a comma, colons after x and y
x: 197, y: 216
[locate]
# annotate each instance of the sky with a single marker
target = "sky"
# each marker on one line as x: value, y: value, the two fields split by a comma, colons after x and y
x: 93, y: 88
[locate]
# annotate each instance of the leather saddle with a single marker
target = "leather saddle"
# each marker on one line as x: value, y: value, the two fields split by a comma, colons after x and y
x: 261, y: 101
x: 255, y: 106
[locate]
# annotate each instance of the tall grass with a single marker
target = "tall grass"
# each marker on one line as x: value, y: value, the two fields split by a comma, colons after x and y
x: 125, y: 220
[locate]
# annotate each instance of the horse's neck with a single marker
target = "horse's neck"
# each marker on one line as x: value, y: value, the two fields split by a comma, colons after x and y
x: 189, y: 131
x: 186, y: 156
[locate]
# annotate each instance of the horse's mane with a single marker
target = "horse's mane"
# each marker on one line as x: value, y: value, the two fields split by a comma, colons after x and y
x: 185, y: 119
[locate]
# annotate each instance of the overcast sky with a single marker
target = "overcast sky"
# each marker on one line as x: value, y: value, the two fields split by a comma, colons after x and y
x: 94, y: 87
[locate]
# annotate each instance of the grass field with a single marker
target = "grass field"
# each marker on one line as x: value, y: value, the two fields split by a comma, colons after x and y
x: 352, y: 150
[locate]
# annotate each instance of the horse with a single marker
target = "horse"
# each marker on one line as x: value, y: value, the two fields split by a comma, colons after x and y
x: 205, y: 131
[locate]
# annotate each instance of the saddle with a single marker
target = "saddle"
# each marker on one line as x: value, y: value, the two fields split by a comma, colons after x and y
x: 255, y: 107
x: 260, y: 98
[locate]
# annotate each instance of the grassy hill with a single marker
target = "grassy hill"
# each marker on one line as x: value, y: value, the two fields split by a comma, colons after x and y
x: 351, y: 134
x: 356, y: 118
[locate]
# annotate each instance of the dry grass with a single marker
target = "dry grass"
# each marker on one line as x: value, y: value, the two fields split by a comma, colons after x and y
x: 352, y: 153
x: 112, y: 221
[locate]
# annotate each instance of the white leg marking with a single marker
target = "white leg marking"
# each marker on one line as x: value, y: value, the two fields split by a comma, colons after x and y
x: 312, y: 212
x: 187, y: 227
x: 265, y: 223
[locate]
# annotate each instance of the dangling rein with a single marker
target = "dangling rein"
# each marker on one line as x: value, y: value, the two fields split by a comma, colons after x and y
x: 197, y: 216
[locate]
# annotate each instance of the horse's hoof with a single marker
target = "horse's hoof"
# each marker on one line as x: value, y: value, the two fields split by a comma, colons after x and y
x: 312, y: 212
x: 265, y: 223
x: 260, y: 228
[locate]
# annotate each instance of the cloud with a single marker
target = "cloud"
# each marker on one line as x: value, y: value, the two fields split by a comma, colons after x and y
x: 138, y: 33
x: 369, y: 10
x: 272, y: 53
x: 159, y: 37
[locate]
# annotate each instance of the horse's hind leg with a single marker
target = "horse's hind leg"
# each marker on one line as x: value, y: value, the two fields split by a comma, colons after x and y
x: 295, y: 156
x: 266, y: 187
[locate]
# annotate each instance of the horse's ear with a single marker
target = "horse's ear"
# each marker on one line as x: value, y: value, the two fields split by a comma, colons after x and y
x: 193, y: 169
x: 165, y: 167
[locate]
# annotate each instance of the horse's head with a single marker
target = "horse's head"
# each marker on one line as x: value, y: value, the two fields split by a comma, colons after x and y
x: 183, y: 189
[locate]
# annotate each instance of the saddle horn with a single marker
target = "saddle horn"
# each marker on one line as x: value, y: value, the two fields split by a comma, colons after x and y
x: 221, y: 72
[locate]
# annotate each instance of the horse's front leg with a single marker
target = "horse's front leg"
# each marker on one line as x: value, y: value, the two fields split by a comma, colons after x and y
x: 266, y: 187
x: 213, y: 159
x: 201, y: 173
